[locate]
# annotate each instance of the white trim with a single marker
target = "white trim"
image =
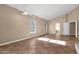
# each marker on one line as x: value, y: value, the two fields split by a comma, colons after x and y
x: 17, y: 40
x: 76, y: 27
x: 31, y: 26
x: 76, y: 31
x: 33, y: 32
x: 12, y: 42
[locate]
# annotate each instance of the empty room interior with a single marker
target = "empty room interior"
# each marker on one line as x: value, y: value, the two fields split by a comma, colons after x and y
x: 39, y: 28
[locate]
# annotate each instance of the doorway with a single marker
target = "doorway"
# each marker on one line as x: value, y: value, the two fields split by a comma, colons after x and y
x: 70, y: 28
x: 57, y: 28
x: 66, y: 28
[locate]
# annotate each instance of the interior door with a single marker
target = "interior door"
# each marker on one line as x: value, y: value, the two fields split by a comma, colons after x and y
x: 66, y: 28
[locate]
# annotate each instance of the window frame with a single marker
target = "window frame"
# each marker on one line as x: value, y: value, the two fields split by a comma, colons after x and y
x: 32, y: 26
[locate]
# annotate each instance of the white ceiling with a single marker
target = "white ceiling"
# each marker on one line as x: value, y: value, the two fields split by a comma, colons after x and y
x: 46, y: 11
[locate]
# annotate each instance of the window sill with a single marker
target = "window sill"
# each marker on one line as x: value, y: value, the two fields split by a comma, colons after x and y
x: 32, y: 32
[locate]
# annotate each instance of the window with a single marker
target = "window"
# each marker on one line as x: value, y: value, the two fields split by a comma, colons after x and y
x: 32, y: 26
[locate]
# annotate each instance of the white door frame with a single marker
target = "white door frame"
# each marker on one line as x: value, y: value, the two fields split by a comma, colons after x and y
x: 76, y: 27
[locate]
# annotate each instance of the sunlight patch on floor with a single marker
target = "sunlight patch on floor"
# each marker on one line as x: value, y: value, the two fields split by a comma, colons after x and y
x: 43, y: 39
x: 52, y: 40
x: 58, y: 42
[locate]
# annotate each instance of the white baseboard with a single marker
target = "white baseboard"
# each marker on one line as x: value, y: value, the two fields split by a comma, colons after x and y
x: 13, y: 41
x: 17, y: 40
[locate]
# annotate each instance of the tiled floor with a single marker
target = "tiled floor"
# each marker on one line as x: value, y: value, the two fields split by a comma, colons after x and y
x: 49, y: 44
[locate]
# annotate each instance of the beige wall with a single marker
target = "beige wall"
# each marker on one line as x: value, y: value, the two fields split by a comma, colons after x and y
x: 52, y: 23
x: 72, y: 17
x: 15, y: 26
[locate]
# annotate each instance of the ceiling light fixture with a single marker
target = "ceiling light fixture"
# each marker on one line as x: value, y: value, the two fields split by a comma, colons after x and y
x: 24, y: 13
